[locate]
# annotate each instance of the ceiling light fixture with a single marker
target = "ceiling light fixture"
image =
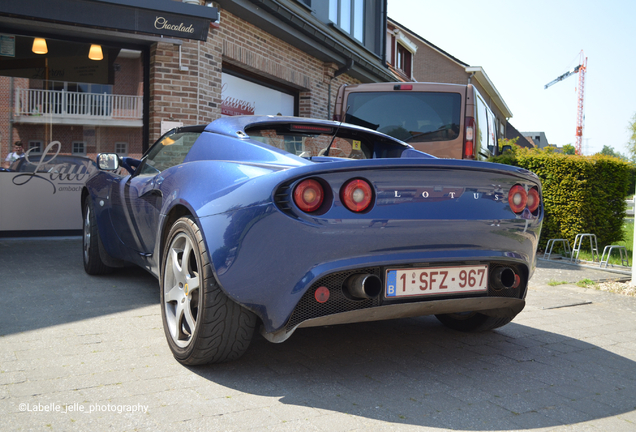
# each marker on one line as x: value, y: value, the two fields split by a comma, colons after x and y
x: 95, y: 53
x: 39, y: 46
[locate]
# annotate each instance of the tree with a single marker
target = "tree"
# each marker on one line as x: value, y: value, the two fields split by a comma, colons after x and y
x: 631, y: 143
x: 569, y: 149
x: 609, y: 151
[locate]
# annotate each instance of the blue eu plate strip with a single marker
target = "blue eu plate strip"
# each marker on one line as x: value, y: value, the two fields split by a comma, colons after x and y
x: 391, y: 283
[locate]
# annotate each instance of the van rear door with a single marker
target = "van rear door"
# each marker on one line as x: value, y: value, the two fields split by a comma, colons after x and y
x: 427, y: 116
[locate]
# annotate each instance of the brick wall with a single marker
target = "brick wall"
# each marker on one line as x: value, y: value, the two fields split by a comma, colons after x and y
x: 431, y: 66
x: 5, y: 112
x: 129, y: 78
x: 194, y: 96
x: 6, y: 141
x: 255, y: 50
x: 192, y: 93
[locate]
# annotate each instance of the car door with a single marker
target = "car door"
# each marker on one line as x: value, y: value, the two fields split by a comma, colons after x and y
x: 139, y: 198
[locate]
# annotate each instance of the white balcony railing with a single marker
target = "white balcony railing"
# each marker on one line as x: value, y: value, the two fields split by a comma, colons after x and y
x: 62, y: 103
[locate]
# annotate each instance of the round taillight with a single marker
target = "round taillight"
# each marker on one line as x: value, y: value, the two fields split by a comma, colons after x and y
x: 356, y: 195
x: 517, y: 198
x: 533, y: 200
x: 308, y: 195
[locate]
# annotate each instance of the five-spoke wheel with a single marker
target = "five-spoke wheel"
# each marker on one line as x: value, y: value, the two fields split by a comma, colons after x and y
x: 201, y: 323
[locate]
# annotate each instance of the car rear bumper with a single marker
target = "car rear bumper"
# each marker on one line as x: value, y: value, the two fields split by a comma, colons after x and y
x: 492, y: 306
x: 273, y: 262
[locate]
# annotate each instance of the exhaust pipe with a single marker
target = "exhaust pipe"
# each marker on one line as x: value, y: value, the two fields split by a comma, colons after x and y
x: 363, y: 286
x: 504, y: 278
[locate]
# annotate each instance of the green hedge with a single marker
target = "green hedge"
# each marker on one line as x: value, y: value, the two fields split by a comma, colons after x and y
x: 582, y: 194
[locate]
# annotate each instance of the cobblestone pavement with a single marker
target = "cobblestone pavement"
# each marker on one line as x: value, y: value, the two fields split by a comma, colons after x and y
x: 89, y: 354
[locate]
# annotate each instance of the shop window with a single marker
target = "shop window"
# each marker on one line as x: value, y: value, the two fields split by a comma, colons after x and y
x: 63, y: 95
x: 35, y: 147
x: 404, y: 59
x: 79, y: 148
x: 348, y: 15
x: 121, y: 148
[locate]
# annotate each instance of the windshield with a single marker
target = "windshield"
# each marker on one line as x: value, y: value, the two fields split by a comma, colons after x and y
x: 409, y: 116
x: 306, y: 143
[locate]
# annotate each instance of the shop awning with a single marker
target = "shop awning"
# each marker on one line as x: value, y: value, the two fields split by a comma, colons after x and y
x: 156, y: 17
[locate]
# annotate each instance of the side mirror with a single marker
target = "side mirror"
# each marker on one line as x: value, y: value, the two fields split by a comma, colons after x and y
x: 108, y: 161
x: 506, y: 148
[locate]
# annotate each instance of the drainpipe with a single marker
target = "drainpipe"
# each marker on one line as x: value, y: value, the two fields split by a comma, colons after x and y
x: 337, y: 73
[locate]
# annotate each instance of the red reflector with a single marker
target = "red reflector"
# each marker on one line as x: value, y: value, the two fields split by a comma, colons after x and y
x: 310, y: 128
x: 533, y: 200
x: 403, y: 87
x: 308, y: 195
x: 356, y: 195
x: 322, y: 294
x: 517, y: 198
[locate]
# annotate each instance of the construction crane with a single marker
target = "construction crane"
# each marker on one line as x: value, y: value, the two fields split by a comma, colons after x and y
x: 580, y: 69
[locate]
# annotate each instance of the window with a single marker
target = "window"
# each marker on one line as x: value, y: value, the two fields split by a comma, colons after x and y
x: 308, y: 143
x: 79, y: 87
x: 35, y: 147
x: 79, y: 148
x: 414, y: 117
x: 349, y: 16
x: 121, y: 148
x: 358, y: 19
x: 170, y: 151
x: 403, y: 59
x: 485, y: 132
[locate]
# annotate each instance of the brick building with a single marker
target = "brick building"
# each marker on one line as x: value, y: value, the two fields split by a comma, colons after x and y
x: 165, y: 63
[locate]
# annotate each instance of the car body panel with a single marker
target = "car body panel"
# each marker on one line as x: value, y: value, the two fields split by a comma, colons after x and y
x: 267, y: 254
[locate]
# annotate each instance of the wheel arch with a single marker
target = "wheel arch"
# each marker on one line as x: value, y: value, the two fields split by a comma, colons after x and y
x: 85, y: 194
x: 176, y: 212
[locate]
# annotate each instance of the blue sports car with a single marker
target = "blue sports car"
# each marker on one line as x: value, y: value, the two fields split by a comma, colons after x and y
x: 283, y: 222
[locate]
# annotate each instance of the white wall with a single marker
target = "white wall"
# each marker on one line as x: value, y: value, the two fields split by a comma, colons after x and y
x: 40, y: 201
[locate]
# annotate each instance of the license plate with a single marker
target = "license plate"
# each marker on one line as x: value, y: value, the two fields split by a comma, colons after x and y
x: 436, y: 280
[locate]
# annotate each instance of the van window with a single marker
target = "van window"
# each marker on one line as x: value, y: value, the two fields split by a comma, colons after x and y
x: 481, y: 129
x: 409, y: 116
x: 485, y: 130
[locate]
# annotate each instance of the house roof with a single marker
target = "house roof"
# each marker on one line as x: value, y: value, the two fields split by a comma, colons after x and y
x: 480, y: 75
x: 399, y: 75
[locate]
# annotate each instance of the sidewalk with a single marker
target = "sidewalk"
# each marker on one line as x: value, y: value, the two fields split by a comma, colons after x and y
x: 89, y: 353
x: 557, y: 271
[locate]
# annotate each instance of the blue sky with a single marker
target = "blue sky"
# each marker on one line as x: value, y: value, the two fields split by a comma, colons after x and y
x: 524, y: 45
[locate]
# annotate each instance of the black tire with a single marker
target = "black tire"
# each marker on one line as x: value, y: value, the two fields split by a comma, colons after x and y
x: 202, y: 325
x: 472, y: 321
x: 93, y: 263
